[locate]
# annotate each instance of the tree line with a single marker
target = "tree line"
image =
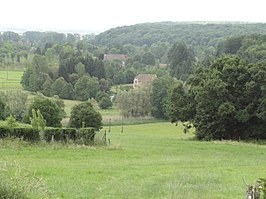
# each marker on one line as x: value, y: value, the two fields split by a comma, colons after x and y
x: 223, y: 97
x: 204, y: 83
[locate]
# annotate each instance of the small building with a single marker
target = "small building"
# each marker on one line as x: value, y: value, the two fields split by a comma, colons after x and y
x: 162, y: 65
x: 120, y: 57
x: 143, y: 79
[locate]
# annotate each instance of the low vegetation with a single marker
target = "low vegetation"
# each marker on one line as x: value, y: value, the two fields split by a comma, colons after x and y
x: 145, y: 161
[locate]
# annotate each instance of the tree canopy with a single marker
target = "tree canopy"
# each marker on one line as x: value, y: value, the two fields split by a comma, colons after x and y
x: 50, y: 111
x: 225, y: 101
x: 84, y: 115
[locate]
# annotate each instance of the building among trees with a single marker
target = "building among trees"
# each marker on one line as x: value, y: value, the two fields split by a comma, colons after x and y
x: 120, y: 57
x: 143, y: 79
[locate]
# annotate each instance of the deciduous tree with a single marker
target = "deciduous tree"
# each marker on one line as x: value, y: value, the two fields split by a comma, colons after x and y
x: 84, y: 115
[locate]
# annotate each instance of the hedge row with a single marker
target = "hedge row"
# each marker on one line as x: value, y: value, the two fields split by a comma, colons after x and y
x: 28, y: 134
x: 82, y: 136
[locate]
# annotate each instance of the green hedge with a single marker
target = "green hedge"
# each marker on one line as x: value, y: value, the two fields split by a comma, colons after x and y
x: 80, y: 136
x: 28, y: 134
x: 60, y: 135
x: 4, y: 132
x: 83, y: 136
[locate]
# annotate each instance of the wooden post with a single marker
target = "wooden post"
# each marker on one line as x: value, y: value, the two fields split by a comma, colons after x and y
x: 122, y: 130
x: 109, y: 132
x: 109, y: 137
x: 104, y: 136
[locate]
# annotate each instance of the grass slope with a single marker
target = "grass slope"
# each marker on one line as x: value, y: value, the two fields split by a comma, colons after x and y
x: 146, y: 161
x: 10, y: 80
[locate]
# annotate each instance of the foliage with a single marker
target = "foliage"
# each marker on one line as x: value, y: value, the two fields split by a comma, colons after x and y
x: 37, y: 120
x: 49, y: 110
x: 101, y: 95
x: 204, y: 37
x: 80, y: 136
x: 181, y: 59
x: 104, y: 100
x: 105, y: 103
x: 251, y: 48
x: 33, y: 119
x: 84, y: 115
x: 180, y: 105
x: 258, y: 191
x: 225, y: 101
x: 15, y: 103
x: 41, y: 120
x: 135, y: 102
x: 2, y: 109
x: 85, y: 135
x: 36, y: 74
x: 24, y: 133
x: 86, y: 87
x: 11, y: 121
x: 160, y: 89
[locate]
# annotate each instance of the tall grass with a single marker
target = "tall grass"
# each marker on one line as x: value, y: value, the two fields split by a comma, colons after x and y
x: 16, y: 183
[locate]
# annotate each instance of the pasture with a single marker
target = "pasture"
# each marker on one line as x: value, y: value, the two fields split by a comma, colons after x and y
x: 145, y: 161
x: 10, y: 80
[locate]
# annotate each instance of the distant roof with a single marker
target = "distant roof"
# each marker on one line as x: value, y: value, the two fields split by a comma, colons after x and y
x: 121, y: 57
x: 143, y: 78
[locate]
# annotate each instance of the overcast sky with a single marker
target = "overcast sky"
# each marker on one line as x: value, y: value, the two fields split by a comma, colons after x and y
x: 101, y: 15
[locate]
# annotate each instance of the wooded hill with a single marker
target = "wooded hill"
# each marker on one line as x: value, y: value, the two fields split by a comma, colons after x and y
x: 204, y: 37
x: 202, y: 34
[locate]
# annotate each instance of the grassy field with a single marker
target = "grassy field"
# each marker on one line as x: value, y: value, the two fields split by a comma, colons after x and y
x: 146, y: 161
x: 10, y: 79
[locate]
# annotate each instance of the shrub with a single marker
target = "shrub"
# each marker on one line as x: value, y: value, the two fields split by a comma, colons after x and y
x: 80, y: 136
x: 54, y: 133
x: 4, y: 132
x: 84, y: 115
x: 50, y: 111
x: 28, y: 134
x: 86, y: 135
x: 11, y: 121
x: 69, y: 133
x: 105, y: 103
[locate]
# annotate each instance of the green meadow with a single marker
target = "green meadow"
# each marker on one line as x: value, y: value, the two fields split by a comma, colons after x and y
x: 153, y: 160
x: 10, y: 80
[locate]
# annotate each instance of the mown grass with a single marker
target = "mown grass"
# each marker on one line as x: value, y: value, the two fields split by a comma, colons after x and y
x: 10, y: 79
x: 146, y: 161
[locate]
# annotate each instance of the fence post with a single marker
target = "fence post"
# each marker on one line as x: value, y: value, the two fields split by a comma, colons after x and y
x: 122, y: 130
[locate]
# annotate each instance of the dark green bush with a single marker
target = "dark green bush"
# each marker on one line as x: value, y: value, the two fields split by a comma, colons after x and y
x: 80, y: 136
x: 83, y: 136
x: 56, y: 133
x: 70, y: 133
x: 4, y: 132
x: 28, y: 134
x: 86, y: 135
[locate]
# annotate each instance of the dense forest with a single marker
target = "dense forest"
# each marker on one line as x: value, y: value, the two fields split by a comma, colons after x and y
x: 195, y: 63
x: 204, y: 37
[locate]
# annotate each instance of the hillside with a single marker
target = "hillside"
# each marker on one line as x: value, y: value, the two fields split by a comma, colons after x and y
x: 195, y: 34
